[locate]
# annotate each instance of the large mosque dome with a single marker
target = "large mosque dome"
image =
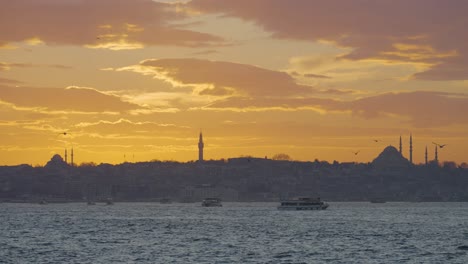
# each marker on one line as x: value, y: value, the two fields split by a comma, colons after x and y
x: 390, y: 158
x: 56, y: 162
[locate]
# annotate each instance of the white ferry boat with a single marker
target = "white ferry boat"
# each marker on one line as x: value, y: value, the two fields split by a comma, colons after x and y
x: 211, y: 202
x: 303, y: 203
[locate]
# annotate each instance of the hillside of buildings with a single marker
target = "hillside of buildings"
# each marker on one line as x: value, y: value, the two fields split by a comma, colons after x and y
x: 389, y: 176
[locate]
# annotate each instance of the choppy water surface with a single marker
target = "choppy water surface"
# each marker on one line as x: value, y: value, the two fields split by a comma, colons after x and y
x: 235, y: 233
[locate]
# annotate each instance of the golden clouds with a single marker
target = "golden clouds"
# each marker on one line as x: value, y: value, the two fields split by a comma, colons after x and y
x: 73, y: 99
x: 246, y: 88
x: 401, y: 31
x: 8, y: 81
x: 232, y: 86
x: 227, y: 77
x: 425, y: 109
x: 120, y: 44
x: 90, y: 23
x: 4, y: 66
x: 419, y: 54
x: 127, y: 127
x: 34, y: 41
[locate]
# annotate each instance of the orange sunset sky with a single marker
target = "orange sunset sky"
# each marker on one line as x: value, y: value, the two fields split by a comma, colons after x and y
x: 314, y: 79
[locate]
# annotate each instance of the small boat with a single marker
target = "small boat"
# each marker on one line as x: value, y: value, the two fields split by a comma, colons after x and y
x: 211, y: 202
x: 109, y: 201
x: 303, y: 203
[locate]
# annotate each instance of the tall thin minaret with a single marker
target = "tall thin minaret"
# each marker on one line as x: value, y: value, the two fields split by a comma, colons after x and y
x: 200, y: 148
x: 401, y: 151
x: 71, y: 154
x: 411, y: 148
x: 436, y: 158
x: 66, y: 157
x: 425, y: 156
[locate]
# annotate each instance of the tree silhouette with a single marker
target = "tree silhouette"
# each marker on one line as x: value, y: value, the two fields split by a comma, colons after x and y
x: 281, y: 156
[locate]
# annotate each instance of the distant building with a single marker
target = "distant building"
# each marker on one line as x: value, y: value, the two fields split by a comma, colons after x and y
x: 56, y: 162
x: 390, y: 159
x: 200, y: 148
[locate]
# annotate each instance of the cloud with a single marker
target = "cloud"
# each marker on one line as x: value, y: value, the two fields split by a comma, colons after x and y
x: 425, y: 109
x: 217, y: 91
x: 125, y: 126
x: 243, y: 104
x: 448, y: 70
x: 311, y: 75
x: 9, y: 81
x: 221, y: 77
x: 242, y: 88
x: 69, y: 99
x: 205, y: 52
x: 338, y: 92
x: 4, y: 66
x: 429, y: 32
x: 111, y: 24
x: 422, y: 108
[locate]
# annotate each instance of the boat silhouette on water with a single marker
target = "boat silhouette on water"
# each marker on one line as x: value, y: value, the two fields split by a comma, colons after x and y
x: 211, y: 202
x: 303, y: 203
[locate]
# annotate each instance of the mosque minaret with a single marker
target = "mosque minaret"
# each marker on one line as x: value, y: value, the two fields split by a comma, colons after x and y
x: 425, y: 156
x: 401, y: 151
x: 200, y: 148
x: 411, y: 148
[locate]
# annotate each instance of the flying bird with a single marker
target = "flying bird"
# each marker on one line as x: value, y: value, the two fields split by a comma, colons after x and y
x: 63, y: 133
x: 355, y: 153
x: 376, y: 140
x: 439, y: 145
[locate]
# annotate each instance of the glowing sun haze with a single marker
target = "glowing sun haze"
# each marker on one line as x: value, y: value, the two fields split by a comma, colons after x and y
x: 137, y: 80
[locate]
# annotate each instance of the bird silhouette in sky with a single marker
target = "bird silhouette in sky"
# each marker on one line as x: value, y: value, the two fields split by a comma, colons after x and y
x: 357, y: 152
x: 439, y: 145
x: 63, y: 133
x: 376, y: 140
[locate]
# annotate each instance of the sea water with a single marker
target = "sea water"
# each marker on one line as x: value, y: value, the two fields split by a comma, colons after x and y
x: 235, y: 233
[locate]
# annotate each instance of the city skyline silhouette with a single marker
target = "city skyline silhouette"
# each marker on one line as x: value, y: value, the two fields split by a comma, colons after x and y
x: 141, y: 79
x: 233, y: 131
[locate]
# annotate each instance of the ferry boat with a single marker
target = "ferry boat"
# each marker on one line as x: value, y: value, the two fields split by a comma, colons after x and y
x: 211, y: 202
x: 303, y: 203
